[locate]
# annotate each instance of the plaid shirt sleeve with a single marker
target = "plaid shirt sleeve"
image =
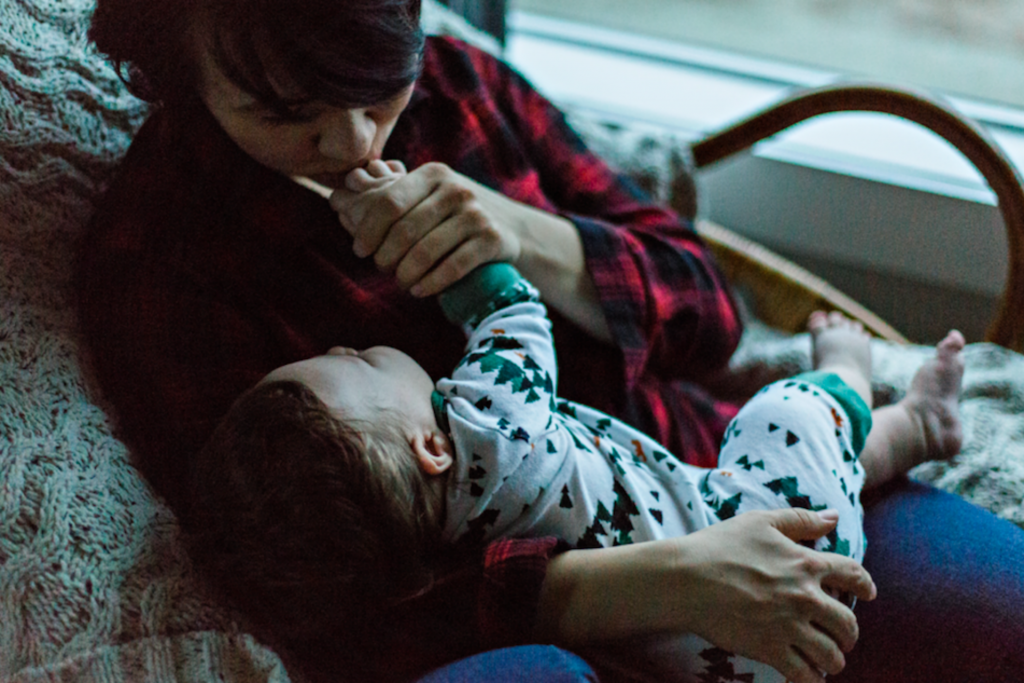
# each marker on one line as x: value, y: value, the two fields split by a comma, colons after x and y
x: 514, y: 570
x: 479, y: 606
x: 667, y: 304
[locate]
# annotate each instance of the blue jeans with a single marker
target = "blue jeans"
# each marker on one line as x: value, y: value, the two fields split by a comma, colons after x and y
x: 950, y: 603
x: 531, y: 663
x: 950, y: 606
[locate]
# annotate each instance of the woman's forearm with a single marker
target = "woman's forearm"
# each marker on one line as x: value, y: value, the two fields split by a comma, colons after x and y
x: 745, y: 585
x: 551, y: 257
x: 589, y: 596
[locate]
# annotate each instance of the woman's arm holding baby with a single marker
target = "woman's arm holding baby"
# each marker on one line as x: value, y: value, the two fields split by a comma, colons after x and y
x: 766, y: 602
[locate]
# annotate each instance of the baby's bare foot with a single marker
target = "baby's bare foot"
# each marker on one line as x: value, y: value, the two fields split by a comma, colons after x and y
x: 841, y: 345
x: 933, y: 402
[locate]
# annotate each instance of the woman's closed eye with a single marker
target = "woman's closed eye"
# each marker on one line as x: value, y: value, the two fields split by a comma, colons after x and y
x: 275, y: 117
x: 283, y: 113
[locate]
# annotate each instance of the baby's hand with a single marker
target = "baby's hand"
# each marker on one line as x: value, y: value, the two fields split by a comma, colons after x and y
x: 376, y: 175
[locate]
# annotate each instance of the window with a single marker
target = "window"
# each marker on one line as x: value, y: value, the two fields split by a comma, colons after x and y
x: 970, y: 48
x: 871, y: 203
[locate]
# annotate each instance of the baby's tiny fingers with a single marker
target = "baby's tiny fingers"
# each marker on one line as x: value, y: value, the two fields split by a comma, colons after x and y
x: 361, y: 179
x: 397, y: 166
x: 379, y: 169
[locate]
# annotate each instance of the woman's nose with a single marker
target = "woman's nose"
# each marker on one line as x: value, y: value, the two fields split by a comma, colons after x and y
x: 347, y: 135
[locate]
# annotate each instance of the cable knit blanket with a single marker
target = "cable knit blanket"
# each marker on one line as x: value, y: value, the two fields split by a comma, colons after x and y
x: 94, y: 584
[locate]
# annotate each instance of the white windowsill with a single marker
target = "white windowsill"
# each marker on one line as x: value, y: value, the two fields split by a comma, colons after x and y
x: 910, y: 172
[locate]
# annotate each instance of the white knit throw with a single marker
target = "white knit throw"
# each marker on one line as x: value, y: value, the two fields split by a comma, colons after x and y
x: 94, y: 583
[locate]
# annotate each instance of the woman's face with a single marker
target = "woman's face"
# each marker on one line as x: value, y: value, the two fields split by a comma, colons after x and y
x: 320, y: 141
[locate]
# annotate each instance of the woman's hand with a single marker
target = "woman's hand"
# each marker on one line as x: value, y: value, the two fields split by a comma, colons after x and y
x: 744, y: 585
x: 432, y: 226
x: 429, y: 227
x: 767, y: 593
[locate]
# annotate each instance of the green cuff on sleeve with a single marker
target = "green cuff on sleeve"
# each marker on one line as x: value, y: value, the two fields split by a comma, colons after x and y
x: 489, y: 288
x: 856, y: 409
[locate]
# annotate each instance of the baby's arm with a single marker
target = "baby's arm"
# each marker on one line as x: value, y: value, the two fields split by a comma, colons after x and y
x: 499, y: 403
x: 510, y: 353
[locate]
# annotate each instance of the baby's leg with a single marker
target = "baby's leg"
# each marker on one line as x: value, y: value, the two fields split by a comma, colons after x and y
x: 841, y: 345
x: 925, y: 425
x: 794, y: 444
x: 791, y: 445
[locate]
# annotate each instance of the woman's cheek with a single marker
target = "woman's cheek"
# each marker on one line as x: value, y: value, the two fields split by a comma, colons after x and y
x: 287, y: 151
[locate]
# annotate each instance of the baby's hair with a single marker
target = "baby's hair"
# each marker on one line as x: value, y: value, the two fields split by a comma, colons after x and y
x: 305, y: 523
x: 349, y: 54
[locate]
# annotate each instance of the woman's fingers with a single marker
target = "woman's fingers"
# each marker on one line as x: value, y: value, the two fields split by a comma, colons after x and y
x: 463, y: 237
x: 789, y: 579
x: 455, y: 266
x: 837, y: 622
x: 813, y: 650
x: 428, y: 226
x: 842, y: 573
x: 848, y: 576
x: 742, y: 584
x: 435, y: 213
x: 804, y: 525
x: 821, y: 650
x: 798, y: 669
x: 369, y: 213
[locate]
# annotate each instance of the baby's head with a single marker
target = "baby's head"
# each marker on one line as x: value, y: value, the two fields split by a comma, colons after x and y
x: 378, y: 386
x: 319, y: 498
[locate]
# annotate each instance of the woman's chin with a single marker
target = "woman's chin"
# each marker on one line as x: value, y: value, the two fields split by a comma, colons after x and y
x: 331, y: 180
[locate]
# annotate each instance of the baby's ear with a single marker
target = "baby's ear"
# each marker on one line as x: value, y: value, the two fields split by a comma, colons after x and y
x: 433, y: 451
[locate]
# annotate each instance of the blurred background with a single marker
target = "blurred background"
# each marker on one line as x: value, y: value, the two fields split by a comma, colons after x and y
x: 882, y: 209
x: 973, y: 48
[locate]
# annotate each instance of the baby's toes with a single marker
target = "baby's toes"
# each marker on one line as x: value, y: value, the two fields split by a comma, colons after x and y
x: 952, y: 344
x: 817, y: 321
x: 837, y: 319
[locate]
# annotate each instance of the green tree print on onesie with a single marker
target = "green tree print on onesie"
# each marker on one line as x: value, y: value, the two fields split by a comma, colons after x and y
x: 724, y: 509
x: 789, y: 487
x: 618, y: 521
x: 527, y: 378
x: 720, y: 668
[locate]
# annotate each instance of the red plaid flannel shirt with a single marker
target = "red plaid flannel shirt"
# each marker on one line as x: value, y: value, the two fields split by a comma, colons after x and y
x: 202, y: 271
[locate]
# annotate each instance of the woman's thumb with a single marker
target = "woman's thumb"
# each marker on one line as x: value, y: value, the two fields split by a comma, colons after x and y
x: 804, y: 525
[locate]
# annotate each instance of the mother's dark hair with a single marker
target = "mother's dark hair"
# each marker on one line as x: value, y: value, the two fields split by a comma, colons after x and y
x: 344, y: 52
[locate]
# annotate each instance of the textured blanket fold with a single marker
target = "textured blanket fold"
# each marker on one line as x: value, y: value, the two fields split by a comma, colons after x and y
x: 94, y: 583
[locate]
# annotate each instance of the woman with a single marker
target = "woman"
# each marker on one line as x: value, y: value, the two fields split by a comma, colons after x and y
x: 205, y: 267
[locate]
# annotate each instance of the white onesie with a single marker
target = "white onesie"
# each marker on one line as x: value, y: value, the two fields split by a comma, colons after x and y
x: 530, y: 464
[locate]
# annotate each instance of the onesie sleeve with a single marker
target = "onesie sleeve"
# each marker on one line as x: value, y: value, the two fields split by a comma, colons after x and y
x: 499, y: 402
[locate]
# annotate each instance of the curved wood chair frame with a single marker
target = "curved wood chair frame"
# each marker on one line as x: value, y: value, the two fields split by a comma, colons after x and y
x: 784, y: 293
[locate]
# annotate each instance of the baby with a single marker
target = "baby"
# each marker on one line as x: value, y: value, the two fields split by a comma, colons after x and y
x: 339, y: 482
